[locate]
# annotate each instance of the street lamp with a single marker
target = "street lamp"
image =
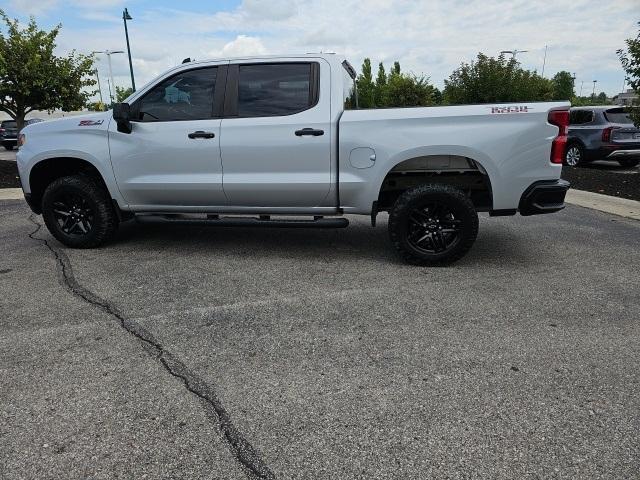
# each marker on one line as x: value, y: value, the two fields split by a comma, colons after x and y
x: 108, y: 53
x: 513, y: 52
x: 125, y: 17
x: 99, y: 87
x: 593, y: 94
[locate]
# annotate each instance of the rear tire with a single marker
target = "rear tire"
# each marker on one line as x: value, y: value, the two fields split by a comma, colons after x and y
x: 628, y: 162
x: 433, y: 225
x: 574, y: 156
x: 78, y: 212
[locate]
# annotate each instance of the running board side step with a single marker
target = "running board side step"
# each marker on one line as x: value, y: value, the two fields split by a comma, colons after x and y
x: 264, y: 221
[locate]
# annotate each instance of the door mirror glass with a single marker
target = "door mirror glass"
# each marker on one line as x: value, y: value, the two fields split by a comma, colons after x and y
x: 121, y: 112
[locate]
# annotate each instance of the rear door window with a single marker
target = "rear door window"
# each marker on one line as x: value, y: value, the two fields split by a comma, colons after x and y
x: 267, y: 90
x: 580, y: 117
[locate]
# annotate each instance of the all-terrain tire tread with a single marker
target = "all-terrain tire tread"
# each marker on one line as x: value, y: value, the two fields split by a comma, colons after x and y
x: 402, y: 205
x: 108, y: 224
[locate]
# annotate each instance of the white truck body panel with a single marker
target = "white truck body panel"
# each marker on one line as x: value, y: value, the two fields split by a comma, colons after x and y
x: 513, y: 148
x: 259, y: 165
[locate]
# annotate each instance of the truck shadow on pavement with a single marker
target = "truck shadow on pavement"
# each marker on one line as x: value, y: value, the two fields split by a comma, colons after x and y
x: 495, y: 244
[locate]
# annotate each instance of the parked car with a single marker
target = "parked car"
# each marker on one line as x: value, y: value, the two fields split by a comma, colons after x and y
x: 279, y: 136
x: 9, y: 132
x: 602, y: 133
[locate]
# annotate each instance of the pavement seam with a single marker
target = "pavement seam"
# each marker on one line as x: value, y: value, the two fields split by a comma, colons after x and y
x: 240, y: 448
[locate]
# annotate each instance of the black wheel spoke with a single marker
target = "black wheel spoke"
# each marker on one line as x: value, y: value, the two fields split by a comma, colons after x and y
x: 433, y: 228
x: 73, y: 214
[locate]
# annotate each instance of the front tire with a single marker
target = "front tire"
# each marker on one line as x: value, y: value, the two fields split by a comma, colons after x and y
x: 628, y: 162
x: 433, y: 225
x: 574, y: 155
x: 78, y: 212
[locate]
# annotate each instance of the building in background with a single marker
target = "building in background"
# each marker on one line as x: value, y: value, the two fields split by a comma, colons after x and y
x: 625, y: 98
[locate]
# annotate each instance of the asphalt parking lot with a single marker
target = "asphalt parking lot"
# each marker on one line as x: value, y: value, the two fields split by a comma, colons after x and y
x: 245, y: 353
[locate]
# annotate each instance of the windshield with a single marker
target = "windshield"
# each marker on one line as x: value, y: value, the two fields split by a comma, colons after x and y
x: 9, y: 124
x: 617, y: 116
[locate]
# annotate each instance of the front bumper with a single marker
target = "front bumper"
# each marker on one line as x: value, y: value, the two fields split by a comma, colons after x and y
x: 545, y: 196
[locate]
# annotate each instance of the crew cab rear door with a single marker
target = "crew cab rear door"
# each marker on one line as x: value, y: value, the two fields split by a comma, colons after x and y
x: 171, y: 158
x: 275, y: 135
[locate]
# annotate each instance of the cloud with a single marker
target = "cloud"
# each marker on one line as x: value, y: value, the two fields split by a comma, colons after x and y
x: 243, y: 45
x: 427, y: 36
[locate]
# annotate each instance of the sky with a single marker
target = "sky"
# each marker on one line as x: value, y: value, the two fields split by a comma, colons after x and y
x: 427, y: 37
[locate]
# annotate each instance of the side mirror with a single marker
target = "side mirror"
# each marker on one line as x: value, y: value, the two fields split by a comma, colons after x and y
x: 122, y: 116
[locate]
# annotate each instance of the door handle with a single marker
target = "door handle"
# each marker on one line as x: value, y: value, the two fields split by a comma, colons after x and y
x: 201, y: 134
x: 309, y: 131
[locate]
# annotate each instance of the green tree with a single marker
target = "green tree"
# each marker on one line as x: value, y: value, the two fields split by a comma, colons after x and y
x: 408, y: 90
x: 562, y: 86
x: 33, y: 78
x: 630, y: 59
x: 602, y: 99
x: 96, y: 106
x: 366, y: 87
x: 396, y: 68
x: 381, y: 86
x: 492, y: 80
x: 123, y: 93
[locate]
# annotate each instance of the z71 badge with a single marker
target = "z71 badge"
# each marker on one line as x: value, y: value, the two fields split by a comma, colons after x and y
x: 517, y: 109
x: 88, y: 123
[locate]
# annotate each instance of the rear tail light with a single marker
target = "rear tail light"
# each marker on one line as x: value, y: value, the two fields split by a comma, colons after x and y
x: 606, y: 133
x: 559, y: 118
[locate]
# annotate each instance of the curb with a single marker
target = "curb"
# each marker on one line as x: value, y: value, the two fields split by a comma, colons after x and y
x: 11, y: 194
x: 622, y: 207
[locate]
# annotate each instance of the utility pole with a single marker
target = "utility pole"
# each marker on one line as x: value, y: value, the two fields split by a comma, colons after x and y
x: 125, y: 17
x: 108, y: 53
x: 573, y: 83
x: 593, y: 94
x: 544, y: 62
x: 581, y: 85
x: 109, y: 85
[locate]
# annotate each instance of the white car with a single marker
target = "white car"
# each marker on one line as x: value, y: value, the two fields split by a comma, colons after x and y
x: 247, y: 140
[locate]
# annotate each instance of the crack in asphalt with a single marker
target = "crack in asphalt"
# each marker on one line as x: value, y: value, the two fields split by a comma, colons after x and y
x: 239, y: 446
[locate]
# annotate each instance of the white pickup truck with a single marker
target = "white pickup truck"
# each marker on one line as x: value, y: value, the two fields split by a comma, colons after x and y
x: 268, y: 141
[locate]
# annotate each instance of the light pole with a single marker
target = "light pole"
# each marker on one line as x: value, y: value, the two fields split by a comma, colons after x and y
x: 99, y: 87
x: 573, y: 84
x: 125, y: 17
x: 581, y: 85
x: 544, y: 62
x: 593, y: 94
x: 108, y: 53
x: 513, y: 52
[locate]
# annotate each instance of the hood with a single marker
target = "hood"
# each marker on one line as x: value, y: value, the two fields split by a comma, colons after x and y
x: 99, y: 120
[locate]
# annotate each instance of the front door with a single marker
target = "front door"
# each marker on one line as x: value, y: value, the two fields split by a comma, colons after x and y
x: 276, y: 135
x: 171, y: 158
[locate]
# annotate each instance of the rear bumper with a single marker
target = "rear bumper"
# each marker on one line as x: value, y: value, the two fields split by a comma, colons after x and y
x: 545, y: 196
x: 616, y: 154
